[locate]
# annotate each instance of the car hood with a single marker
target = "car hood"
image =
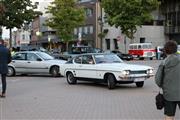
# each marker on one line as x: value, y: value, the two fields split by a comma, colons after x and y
x: 124, y: 66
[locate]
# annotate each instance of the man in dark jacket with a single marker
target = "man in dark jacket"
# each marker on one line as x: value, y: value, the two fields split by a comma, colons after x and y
x: 5, y: 58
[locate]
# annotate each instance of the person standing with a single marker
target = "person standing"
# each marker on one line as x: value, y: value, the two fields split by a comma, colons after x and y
x: 170, y: 83
x: 5, y: 58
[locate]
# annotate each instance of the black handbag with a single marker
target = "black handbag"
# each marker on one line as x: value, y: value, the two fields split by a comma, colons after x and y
x: 159, y: 101
x: 159, y: 97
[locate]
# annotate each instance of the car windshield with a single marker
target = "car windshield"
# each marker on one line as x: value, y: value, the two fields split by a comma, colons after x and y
x: 79, y: 50
x: 107, y: 58
x: 45, y: 56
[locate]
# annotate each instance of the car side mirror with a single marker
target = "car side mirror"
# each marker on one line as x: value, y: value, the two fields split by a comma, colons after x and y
x: 38, y: 59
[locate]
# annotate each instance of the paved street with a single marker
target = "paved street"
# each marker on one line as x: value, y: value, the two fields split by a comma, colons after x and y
x: 47, y: 98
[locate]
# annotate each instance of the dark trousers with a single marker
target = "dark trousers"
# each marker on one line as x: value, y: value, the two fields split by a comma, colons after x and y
x: 3, y: 79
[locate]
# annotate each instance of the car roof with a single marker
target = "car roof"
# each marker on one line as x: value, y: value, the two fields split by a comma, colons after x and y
x: 95, y: 54
x: 141, y: 44
x: 80, y: 46
x: 29, y: 52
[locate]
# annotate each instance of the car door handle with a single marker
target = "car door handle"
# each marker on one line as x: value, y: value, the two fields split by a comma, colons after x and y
x: 28, y: 62
x: 13, y: 61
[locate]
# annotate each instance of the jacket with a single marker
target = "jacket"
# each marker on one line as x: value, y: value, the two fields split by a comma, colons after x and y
x: 5, y: 58
x: 171, y: 78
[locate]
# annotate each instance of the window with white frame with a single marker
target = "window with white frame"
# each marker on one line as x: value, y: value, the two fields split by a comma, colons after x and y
x: 75, y: 31
x: 91, y: 29
x: 80, y: 29
x: 89, y: 12
x: 85, y: 30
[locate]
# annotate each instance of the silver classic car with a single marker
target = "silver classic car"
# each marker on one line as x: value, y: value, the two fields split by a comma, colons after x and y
x: 34, y: 62
x: 106, y: 68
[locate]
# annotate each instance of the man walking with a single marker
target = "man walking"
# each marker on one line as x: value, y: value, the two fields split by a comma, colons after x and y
x: 5, y: 58
x: 170, y: 80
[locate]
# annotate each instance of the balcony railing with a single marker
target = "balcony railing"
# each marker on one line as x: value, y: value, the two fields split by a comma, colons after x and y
x: 172, y: 29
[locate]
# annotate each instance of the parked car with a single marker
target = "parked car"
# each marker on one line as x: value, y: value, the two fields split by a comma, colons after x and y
x: 34, y: 62
x: 123, y: 56
x: 32, y: 48
x: 76, y: 50
x: 105, y: 68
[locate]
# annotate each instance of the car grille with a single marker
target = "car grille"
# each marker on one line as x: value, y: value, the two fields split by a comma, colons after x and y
x: 138, y: 72
x: 149, y: 54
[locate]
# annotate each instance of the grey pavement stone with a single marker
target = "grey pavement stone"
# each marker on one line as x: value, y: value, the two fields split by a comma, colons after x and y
x: 47, y: 98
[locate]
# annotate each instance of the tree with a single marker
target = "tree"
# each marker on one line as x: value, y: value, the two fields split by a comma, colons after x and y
x: 128, y: 14
x: 2, y: 10
x: 17, y: 13
x: 66, y: 15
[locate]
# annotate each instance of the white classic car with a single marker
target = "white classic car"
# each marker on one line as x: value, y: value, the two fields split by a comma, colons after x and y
x: 106, y: 68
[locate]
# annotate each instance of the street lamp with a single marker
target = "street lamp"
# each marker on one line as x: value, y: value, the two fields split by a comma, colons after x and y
x: 101, y: 23
x: 38, y: 34
x: 49, y: 41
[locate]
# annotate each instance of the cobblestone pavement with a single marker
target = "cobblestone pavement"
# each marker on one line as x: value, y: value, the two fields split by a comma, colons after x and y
x: 47, y: 98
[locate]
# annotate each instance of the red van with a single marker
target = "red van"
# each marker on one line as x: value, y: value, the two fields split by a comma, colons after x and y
x: 142, y: 50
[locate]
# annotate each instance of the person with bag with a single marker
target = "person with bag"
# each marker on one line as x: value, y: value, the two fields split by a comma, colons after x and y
x: 5, y: 58
x: 168, y: 78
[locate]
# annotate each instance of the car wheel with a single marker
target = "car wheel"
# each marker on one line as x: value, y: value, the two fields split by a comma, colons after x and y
x: 54, y: 71
x: 151, y: 58
x: 141, y: 58
x: 140, y: 84
x: 11, y: 71
x: 111, y: 81
x: 70, y: 78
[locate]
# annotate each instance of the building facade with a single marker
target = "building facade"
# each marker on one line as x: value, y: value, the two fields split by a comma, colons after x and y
x: 87, y: 34
x: 171, y: 11
x: 151, y: 32
x: 20, y: 37
x: 42, y: 35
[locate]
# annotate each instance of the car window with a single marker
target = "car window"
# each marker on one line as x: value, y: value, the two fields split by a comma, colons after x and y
x: 107, y: 58
x: 87, y: 59
x: 32, y: 57
x: 45, y: 56
x: 135, y: 47
x: 19, y: 56
x: 139, y: 46
x: 78, y: 59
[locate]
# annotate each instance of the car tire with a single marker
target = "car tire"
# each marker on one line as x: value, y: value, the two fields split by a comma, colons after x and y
x: 151, y: 58
x: 54, y: 71
x: 111, y: 81
x: 70, y: 78
x: 11, y: 71
x: 140, y: 84
x: 141, y: 58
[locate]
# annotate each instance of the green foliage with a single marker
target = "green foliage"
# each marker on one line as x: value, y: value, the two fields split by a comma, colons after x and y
x: 66, y: 16
x: 128, y: 14
x: 16, y: 13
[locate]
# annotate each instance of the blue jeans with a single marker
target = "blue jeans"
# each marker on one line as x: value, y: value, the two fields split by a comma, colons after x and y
x: 158, y: 56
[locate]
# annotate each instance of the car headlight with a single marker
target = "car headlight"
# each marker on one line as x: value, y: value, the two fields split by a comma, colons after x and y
x: 149, y: 71
x: 125, y: 72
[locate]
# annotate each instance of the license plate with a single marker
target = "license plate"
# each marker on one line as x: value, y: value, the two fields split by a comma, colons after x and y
x: 139, y: 79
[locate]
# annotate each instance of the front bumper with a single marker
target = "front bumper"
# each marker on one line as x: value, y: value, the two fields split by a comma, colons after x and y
x: 135, y: 77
